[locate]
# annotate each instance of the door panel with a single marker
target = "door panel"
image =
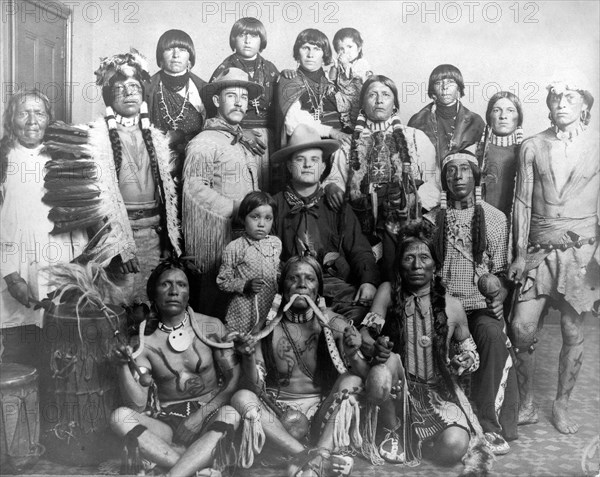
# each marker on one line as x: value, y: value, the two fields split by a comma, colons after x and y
x: 40, y: 53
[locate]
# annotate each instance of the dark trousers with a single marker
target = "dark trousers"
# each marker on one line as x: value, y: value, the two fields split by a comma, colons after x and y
x: 490, y: 338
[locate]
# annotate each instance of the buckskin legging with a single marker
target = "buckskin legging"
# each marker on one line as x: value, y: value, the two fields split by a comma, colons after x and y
x: 494, y: 385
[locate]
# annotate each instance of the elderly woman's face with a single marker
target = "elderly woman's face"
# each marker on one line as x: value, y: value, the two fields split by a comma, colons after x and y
x: 378, y: 103
x: 30, y: 121
x: 175, y: 60
x: 311, y: 56
x: 127, y: 97
x: 504, y: 117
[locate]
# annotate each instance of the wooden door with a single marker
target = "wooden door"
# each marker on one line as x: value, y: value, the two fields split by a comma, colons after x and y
x: 41, y: 42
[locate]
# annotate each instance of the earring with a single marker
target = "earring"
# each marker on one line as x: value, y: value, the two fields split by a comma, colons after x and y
x: 443, y: 200
x: 394, y: 111
x: 551, y: 120
x: 585, y: 116
x: 477, y: 194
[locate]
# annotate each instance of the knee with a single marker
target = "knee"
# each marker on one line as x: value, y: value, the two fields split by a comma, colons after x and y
x: 229, y: 415
x: 122, y: 420
x: 244, y: 400
x: 349, y: 382
x: 451, y: 446
x: 524, y: 334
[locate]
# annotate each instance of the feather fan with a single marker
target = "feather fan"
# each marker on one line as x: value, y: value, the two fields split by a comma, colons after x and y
x: 82, y: 191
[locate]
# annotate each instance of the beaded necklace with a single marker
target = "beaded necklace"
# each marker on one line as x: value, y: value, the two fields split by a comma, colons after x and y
x: 450, y: 135
x: 315, y: 97
x: 172, y: 122
x: 178, y: 340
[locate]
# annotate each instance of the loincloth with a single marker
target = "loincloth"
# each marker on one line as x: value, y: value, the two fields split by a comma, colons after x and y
x: 572, y: 275
x: 307, y: 404
x: 174, y: 414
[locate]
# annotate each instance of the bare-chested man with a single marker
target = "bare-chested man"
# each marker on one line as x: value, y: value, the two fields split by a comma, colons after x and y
x: 294, y: 369
x: 556, y: 239
x: 186, y: 406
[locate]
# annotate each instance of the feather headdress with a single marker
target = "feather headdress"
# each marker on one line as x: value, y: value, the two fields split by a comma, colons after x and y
x: 130, y: 65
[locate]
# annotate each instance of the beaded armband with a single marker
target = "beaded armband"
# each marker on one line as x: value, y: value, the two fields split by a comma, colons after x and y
x: 468, y: 346
x: 374, y: 322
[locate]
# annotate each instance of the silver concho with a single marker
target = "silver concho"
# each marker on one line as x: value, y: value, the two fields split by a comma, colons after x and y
x: 425, y: 341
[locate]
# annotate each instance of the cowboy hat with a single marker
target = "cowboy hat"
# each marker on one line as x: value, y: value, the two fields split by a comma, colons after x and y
x: 230, y: 77
x: 305, y: 137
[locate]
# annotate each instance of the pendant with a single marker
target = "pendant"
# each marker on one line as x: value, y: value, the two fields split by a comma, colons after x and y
x: 317, y: 113
x: 180, y: 340
x: 256, y: 103
x: 425, y: 341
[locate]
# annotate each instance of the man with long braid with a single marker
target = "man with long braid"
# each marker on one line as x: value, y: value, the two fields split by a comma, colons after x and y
x: 418, y: 336
x: 141, y: 163
x: 556, y: 235
x: 193, y: 375
x: 472, y: 241
x: 297, y: 367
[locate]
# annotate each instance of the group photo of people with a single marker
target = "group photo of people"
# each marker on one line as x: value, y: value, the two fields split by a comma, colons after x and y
x: 305, y: 268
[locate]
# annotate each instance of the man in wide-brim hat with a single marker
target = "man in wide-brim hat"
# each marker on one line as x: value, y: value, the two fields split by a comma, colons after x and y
x: 220, y: 169
x: 306, y: 224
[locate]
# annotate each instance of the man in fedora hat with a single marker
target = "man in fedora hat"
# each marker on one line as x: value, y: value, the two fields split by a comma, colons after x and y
x: 220, y: 169
x: 306, y: 224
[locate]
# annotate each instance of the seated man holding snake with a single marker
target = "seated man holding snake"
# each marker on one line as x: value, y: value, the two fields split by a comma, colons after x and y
x: 191, y: 374
x: 297, y: 373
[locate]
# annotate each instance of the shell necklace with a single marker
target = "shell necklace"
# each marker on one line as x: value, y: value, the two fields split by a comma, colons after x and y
x: 179, y: 339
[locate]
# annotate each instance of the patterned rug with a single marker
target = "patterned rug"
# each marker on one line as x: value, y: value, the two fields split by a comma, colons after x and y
x: 540, y: 451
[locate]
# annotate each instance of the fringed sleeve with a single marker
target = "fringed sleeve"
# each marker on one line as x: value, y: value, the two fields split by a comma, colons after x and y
x: 165, y: 167
x: 207, y: 215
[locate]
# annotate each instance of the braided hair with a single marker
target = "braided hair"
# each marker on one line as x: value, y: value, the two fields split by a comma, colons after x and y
x: 419, y: 231
x: 399, y: 144
x: 478, y: 226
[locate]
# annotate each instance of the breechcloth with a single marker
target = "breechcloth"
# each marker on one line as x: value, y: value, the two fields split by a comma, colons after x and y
x: 174, y: 414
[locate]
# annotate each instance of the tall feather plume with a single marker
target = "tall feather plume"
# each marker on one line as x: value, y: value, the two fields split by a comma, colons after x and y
x: 87, y: 286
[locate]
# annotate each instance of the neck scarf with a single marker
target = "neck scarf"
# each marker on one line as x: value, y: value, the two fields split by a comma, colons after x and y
x: 174, y: 83
x: 303, y: 205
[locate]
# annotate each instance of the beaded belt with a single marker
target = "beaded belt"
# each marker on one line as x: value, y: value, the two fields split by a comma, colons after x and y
x: 142, y: 213
x: 548, y: 246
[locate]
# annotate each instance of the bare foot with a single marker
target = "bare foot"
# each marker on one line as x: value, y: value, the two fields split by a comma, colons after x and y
x: 528, y: 415
x: 561, y: 419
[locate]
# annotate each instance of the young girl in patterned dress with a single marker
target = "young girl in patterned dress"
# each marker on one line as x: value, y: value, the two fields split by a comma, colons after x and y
x: 250, y: 267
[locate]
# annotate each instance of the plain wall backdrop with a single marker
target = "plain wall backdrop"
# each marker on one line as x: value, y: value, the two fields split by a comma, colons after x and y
x: 510, y: 45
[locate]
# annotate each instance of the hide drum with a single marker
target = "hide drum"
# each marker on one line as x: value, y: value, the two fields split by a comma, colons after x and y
x: 19, y: 416
x: 83, y: 385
